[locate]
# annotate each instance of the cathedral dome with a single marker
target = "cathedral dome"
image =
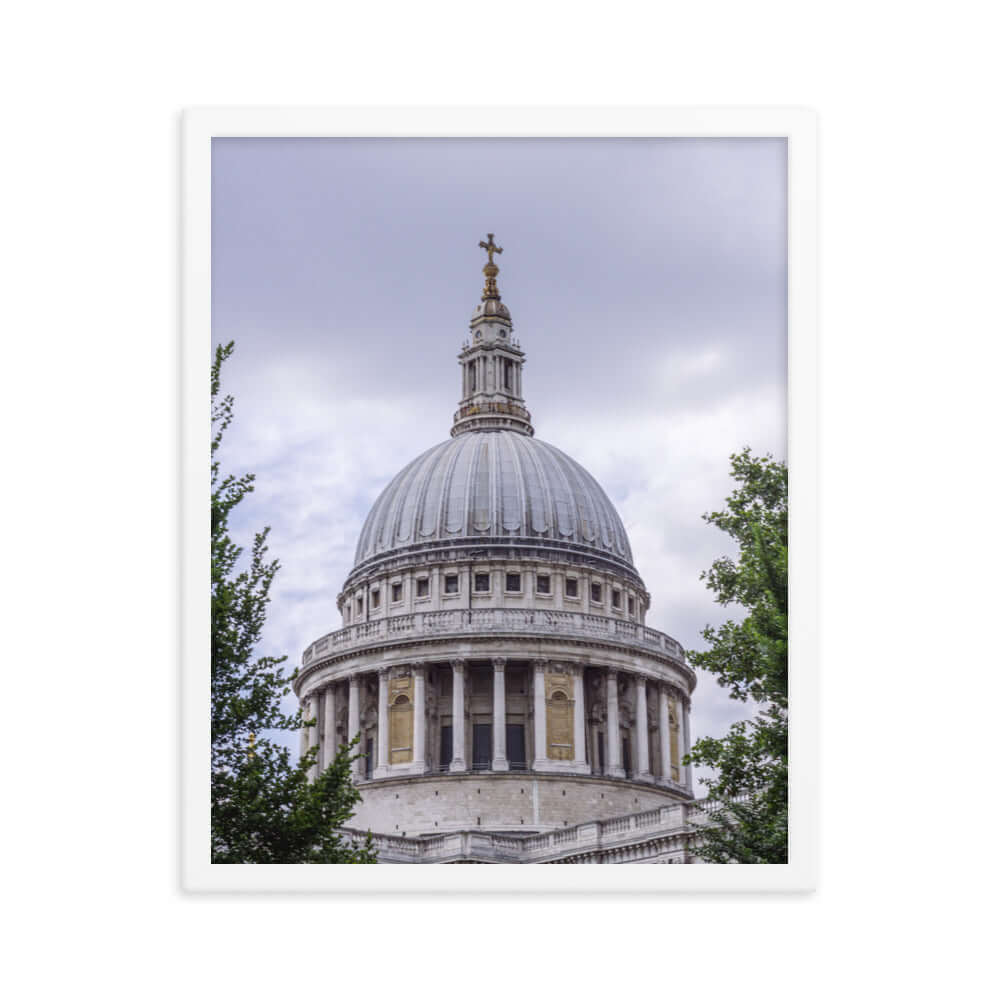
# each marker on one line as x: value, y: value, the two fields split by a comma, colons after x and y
x: 494, y: 661
x: 496, y: 486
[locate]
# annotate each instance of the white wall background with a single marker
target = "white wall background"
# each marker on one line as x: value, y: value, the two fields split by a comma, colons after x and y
x: 908, y: 292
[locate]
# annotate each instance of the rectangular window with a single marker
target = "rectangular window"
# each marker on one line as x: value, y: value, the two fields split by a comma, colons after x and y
x: 571, y: 587
x: 595, y: 593
x: 543, y: 583
x: 616, y: 598
x: 369, y: 756
x: 361, y: 605
x: 397, y: 593
x: 517, y: 755
x: 444, y: 759
x: 514, y: 583
x: 451, y: 583
x: 376, y: 598
x: 631, y: 605
x: 482, y: 746
x: 482, y: 583
x: 423, y: 587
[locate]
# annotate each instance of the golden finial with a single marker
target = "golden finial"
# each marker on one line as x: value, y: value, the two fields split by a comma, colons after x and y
x: 490, y: 269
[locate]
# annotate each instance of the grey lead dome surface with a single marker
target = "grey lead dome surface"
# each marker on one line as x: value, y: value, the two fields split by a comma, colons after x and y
x: 489, y: 485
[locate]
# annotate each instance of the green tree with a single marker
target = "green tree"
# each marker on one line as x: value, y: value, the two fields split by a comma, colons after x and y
x: 749, y: 793
x: 264, y: 808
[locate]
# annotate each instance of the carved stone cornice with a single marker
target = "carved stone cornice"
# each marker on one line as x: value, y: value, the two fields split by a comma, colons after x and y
x: 488, y: 639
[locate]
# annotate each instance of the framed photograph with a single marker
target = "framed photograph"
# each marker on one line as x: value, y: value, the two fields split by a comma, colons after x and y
x: 528, y: 402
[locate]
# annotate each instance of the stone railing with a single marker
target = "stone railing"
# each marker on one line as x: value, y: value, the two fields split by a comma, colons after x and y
x: 486, y: 621
x: 593, y: 839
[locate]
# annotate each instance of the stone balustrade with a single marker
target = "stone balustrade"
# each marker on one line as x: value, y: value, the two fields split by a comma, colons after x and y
x: 460, y: 623
x: 654, y: 833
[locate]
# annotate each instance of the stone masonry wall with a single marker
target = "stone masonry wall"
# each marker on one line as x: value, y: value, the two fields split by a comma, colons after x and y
x: 498, y: 802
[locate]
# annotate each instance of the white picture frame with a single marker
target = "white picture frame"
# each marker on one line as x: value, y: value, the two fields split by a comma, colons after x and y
x: 798, y: 127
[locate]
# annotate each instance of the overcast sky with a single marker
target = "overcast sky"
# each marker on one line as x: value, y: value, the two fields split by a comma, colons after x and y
x: 646, y: 279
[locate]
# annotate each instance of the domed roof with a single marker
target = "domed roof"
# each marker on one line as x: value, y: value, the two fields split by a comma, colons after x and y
x: 493, y: 486
x: 489, y: 308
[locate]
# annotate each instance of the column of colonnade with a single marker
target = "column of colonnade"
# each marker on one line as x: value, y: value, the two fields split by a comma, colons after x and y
x: 382, y: 731
x: 500, y: 762
x: 419, y: 720
x: 457, y: 716
x: 538, y: 692
x: 613, y: 753
x: 330, y: 744
x: 313, y: 716
x: 664, y: 720
x: 642, y: 730
x: 579, y: 722
x: 686, y: 768
x: 354, y: 719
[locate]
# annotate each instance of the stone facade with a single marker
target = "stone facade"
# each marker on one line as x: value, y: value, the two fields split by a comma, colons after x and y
x: 493, y: 653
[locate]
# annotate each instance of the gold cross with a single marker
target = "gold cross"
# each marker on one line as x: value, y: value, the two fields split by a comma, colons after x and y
x: 490, y: 248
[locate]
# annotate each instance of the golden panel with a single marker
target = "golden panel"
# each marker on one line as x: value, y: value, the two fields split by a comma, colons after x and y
x: 400, y: 729
x: 559, y: 716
